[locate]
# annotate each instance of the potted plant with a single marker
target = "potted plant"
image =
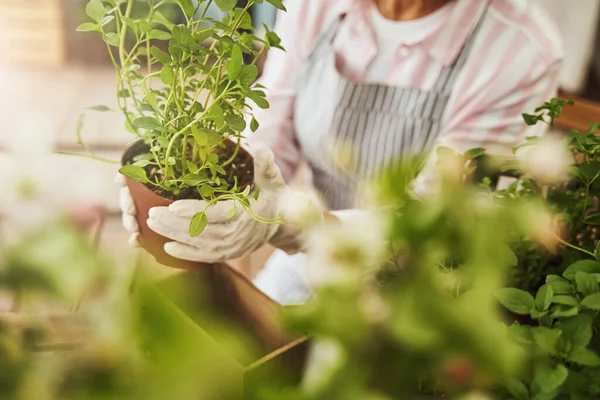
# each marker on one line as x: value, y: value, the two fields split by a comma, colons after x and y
x: 187, y: 103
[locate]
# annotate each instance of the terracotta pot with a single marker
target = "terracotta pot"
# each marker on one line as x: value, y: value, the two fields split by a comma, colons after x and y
x: 145, y: 199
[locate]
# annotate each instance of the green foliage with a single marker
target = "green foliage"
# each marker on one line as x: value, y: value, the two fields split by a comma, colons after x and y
x: 179, y: 83
x: 574, y: 203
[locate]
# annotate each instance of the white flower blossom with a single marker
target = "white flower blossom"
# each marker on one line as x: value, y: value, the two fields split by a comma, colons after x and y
x: 547, y: 161
x: 300, y: 208
x: 341, y: 253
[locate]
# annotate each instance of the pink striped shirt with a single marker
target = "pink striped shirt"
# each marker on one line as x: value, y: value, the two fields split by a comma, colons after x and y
x: 513, y: 67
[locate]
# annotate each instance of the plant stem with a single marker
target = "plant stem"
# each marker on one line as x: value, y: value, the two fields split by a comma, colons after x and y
x: 573, y: 246
x: 124, y: 33
x: 235, y: 153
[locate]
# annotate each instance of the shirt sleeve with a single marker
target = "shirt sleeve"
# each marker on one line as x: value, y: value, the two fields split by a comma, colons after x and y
x: 281, y: 72
x: 496, y: 125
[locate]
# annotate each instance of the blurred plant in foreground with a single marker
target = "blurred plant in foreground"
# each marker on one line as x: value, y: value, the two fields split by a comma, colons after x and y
x: 412, y: 299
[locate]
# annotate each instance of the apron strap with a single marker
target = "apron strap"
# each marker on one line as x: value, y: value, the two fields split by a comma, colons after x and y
x: 445, y: 83
x: 327, y: 37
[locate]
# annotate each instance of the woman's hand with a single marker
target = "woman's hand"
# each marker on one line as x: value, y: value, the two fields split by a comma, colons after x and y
x: 224, y: 237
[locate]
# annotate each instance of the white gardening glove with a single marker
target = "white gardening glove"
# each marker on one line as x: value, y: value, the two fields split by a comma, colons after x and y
x: 228, y: 238
x: 128, y: 210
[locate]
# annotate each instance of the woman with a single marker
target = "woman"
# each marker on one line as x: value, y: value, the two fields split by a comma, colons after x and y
x: 388, y: 78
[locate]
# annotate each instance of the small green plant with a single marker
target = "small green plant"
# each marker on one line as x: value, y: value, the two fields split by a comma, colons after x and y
x: 184, y: 89
x: 574, y: 202
x: 563, y: 342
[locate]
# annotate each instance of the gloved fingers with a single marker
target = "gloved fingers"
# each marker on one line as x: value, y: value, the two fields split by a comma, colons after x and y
x: 190, y: 253
x: 218, y: 212
x: 171, y: 226
x: 120, y: 179
x: 130, y: 223
x: 267, y: 174
x: 168, y: 224
x: 126, y: 203
x: 134, y: 240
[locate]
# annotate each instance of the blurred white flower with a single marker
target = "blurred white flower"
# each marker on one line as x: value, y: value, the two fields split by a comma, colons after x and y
x: 375, y: 309
x: 344, y: 252
x: 326, y: 357
x: 301, y: 209
x: 547, y: 160
x: 542, y: 226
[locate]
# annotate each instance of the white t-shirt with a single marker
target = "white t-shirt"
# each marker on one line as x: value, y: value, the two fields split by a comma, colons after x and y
x: 390, y: 34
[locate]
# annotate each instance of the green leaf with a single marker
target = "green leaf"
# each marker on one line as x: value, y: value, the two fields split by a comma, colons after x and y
x: 226, y: 5
x: 546, y: 338
x: 144, y: 26
x: 182, y: 35
x: 134, y: 172
x: 147, y: 123
x: 187, y: 6
x: 584, y: 356
x: 278, y: 4
x: 589, y: 266
x: 142, y: 163
x: 253, y: 124
x: 517, y: 390
x: 162, y: 20
x: 531, y: 119
x: 159, y: 35
x: 215, y: 113
x: 207, y: 191
x: 160, y: 55
x: 597, y: 251
x: 193, y: 168
x: 559, y: 284
x: 193, y: 179
x: 248, y: 74
x: 515, y: 300
x: 199, y: 222
x: 549, y: 378
x: 112, y: 39
x: 232, y: 213
x: 565, y: 300
x: 586, y: 284
x: 162, y: 141
x: 543, y: 297
x: 95, y: 10
x: 99, y: 108
x: 106, y: 20
x: 166, y: 74
x: 171, y: 161
x: 88, y: 27
x: 235, y: 63
x: 200, y: 136
x: 235, y: 122
x: 474, y: 153
x: 257, y: 97
x: 564, y: 311
x: 592, y: 301
x: 577, y: 330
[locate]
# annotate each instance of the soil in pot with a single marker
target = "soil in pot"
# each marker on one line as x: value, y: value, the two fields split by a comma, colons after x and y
x: 146, y: 197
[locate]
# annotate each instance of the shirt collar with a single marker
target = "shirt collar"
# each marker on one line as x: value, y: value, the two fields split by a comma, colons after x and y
x: 445, y: 43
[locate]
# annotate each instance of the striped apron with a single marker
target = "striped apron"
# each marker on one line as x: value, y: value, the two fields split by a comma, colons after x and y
x: 377, y: 124
x: 373, y: 125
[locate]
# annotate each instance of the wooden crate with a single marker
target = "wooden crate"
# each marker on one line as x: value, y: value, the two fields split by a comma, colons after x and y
x: 32, y: 33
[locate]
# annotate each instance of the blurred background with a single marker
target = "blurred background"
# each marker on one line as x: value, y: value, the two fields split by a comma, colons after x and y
x: 50, y: 74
